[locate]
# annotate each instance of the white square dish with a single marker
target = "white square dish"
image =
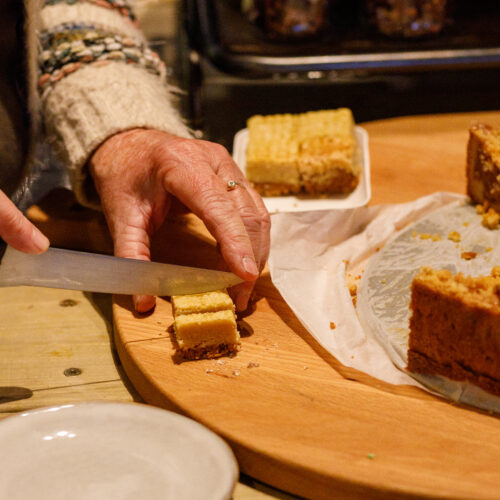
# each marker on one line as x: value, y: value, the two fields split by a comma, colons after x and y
x: 359, y: 197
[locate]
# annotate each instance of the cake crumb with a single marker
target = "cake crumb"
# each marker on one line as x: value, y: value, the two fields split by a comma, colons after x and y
x: 251, y: 364
x: 433, y: 237
x: 383, y: 281
x: 220, y: 362
x: 305, y: 367
x: 466, y: 224
x: 454, y: 236
x: 468, y: 255
x: 332, y: 325
x: 236, y: 373
x: 414, y: 234
x: 480, y: 209
x: 495, y: 272
x: 491, y: 219
x: 489, y: 249
x: 209, y: 370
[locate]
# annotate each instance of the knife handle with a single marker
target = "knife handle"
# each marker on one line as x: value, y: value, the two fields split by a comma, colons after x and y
x: 3, y: 247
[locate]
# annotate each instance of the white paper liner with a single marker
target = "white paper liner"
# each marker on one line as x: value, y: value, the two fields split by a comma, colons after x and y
x: 311, y: 252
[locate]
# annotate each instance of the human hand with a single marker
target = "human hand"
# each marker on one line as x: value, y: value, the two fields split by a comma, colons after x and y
x: 136, y: 174
x: 18, y: 231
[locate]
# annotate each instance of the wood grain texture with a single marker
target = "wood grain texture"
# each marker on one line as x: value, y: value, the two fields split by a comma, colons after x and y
x: 294, y: 416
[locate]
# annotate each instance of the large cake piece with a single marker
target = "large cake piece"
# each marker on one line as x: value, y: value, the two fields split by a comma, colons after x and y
x: 483, y: 165
x: 312, y: 153
x: 205, y: 325
x: 455, y: 327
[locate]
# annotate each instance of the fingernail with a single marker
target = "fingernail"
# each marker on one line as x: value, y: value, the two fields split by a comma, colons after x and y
x: 40, y: 240
x: 143, y: 303
x: 250, y: 266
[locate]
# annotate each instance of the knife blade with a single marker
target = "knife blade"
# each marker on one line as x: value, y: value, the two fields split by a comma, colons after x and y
x: 74, y: 270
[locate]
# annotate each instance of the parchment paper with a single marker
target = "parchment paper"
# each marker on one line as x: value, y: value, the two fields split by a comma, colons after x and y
x: 312, y: 252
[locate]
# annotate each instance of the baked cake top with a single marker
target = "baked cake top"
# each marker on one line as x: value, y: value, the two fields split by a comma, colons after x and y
x: 202, y: 302
x: 481, y: 291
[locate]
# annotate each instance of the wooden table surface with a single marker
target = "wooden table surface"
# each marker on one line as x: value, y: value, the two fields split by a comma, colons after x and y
x: 57, y: 346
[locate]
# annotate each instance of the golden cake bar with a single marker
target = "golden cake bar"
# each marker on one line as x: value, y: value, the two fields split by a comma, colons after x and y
x: 205, y: 325
x: 312, y: 153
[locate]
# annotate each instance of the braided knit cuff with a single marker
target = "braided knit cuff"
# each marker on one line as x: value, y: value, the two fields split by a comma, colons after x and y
x: 98, y: 101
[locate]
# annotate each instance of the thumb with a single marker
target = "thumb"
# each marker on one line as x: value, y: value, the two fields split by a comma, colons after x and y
x: 18, y: 231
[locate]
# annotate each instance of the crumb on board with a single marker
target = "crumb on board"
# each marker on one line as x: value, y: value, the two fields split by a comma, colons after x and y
x: 466, y: 223
x: 251, y: 364
x: 332, y: 325
x: 489, y: 249
x: 480, y: 209
x: 414, y: 234
x: 209, y: 370
x: 305, y: 367
x: 495, y: 272
x: 491, y: 219
x: 433, y: 237
x: 383, y: 281
x: 468, y: 255
x: 454, y: 236
x: 236, y: 373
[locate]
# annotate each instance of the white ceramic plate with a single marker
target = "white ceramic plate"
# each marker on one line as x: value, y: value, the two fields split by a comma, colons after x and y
x: 114, y: 451
x: 359, y: 197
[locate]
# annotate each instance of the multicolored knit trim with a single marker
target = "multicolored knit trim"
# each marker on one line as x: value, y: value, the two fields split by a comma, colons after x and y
x: 69, y: 46
x: 122, y: 6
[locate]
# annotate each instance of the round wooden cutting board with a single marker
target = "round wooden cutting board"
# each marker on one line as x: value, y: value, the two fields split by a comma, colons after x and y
x: 294, y: 416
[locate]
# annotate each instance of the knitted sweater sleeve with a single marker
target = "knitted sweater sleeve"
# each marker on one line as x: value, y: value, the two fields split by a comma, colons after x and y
x: 98, y: 77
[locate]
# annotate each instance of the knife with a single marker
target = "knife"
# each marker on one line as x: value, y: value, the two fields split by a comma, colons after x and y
x: 73, y: 270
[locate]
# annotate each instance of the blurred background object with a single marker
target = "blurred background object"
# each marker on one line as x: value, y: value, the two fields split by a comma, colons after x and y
x: 409, y: 18
x: 292, y: 19
x: 221, y: 56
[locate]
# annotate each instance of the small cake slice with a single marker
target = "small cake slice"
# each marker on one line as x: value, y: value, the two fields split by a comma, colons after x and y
x: 327, y: 146
x: 271, y: 157
x: 455, y: 327
x: 483, y: 165
x: 206, y: 335
x: 205, y: 325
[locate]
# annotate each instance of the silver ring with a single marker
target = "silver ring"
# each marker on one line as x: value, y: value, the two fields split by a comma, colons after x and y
x: 233, y: 185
